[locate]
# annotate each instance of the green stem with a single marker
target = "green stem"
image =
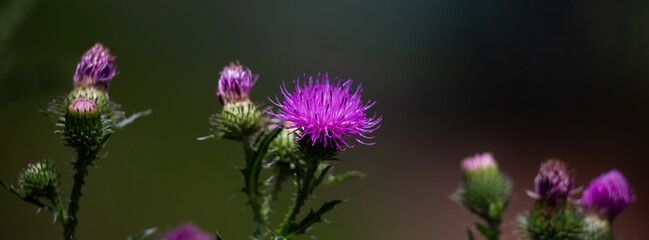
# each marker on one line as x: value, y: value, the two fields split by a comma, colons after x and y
x: 493, y: 229
x: 304, y: 188
x: 59, y: 212
x: 34, y: 201
x: 252, y: 190
x: 85, y: 157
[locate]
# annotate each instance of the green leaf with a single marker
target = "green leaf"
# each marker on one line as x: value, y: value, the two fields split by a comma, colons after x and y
x: 144, y: 234
x: 312, y: 217
x: 218, y: 237
x: 483, y: 230
x: 320, y: 176
x: 343, y: 177
x: 132, y: 118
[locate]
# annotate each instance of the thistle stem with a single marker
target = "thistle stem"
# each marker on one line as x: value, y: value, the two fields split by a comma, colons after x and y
x: 85, y: 156
x: 304, y: 188
x: 252, y: 190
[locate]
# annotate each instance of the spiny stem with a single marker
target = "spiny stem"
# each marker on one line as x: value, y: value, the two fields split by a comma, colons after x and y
x: 85, y: 157
x: 304, y: 187
x: 252, y: 190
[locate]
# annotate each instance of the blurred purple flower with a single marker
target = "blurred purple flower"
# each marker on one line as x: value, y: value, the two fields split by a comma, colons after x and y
x: 326, y: 112
x: 187, y: 231
x: 96, y: 68
x: 477, y: 162
x: 553, y: 183
x: 608, y: 194
x: 235, y: 83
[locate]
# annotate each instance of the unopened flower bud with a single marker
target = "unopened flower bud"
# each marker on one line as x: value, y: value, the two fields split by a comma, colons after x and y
x: 39, y: 179
x: 235, y: 84
x: 485, y: 190
x: 284, y: 145
x: 96, y: 68
x: 238, y: 121
x: 608, y: 194
x: 83, y: 123
x: 553, y: 183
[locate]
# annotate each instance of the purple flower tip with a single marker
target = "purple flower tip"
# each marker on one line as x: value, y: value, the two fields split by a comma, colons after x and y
x: 609, y: 194
x: 96, y: 68
x: 235, y: 83
x: 477, y: 162
x: 82, y: 106
x: 554, y: 182
x: 325, y: 112
x: 187, y: 231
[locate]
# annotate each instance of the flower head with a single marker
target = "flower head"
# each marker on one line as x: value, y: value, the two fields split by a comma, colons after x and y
x: 96, y: 68
x: 554, y: 182
x: 477, y: 162
x: 609, y: 194
x: 187, y: 231
x: 325, y: 112
x: 235, y: 83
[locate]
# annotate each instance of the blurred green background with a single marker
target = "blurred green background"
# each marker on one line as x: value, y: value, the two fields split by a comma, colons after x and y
x: 527, y: 80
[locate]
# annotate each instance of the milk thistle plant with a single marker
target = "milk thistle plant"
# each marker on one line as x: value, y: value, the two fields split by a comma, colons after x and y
x: 556, y: 213
x: 298, y: 141
x: 85, y: 118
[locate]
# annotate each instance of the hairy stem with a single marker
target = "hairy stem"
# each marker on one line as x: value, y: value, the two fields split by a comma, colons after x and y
x: 304, y: 188
x: 85, y: 157
x: 252, y: 190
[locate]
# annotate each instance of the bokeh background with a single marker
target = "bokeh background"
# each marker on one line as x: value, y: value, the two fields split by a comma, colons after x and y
x: 526, y: 80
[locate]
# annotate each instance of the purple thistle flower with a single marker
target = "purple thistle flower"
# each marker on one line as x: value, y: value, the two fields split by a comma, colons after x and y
x: 235, y: 83
x: 477, y: 162
x: 96, y: 68
x: 187, y: 231
x: 326, y: 112
x: 554, y: 182
x: 82, y: 106
x: 609, y: 194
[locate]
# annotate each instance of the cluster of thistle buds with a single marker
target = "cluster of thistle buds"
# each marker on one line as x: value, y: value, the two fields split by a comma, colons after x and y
x: 557, y: 214
x: 86, y: 118
x: 297, y: 141
x: 557, y: 211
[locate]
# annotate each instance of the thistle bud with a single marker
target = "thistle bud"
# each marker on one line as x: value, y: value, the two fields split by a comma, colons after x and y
x: 39, y: 179
x: 284, y: 146
x: 96, y: 68
x: 235, y: 84
x: 238, y: 120
x: 83, y: 123
x: 553, y: 183
x: 608, y: 194
x: 485, y: 190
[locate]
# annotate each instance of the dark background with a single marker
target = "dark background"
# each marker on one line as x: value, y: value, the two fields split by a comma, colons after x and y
x: 526, y: 80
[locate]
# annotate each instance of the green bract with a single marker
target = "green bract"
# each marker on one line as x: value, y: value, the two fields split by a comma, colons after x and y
x: 238, y: 120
